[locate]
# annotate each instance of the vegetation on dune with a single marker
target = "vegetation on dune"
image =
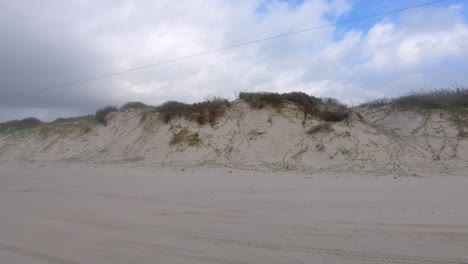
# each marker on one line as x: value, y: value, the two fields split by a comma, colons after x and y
x: 15, y: 125
x: 327, y: 109
x: 261, y: 99
x: 434, y: 99
x: 134, y: 105
x: 33, y: 126
x: 103, y: 112
x: 454, y: 100
x: 333, y: 110
x: 77, y: 119
x: 208, y: 111
x: 185, y: 136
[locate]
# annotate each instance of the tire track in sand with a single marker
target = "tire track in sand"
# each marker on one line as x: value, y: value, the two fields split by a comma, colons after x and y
x: 35, y: 254
x: 342, y: 253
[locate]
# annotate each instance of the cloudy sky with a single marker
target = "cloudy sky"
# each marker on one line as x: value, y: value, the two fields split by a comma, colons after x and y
x: 51, y: 42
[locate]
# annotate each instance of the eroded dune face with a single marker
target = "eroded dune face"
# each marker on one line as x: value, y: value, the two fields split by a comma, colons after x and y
x: 377, y: 140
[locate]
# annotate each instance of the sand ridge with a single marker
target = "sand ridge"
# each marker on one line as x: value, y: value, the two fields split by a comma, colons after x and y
x: 377, y: 140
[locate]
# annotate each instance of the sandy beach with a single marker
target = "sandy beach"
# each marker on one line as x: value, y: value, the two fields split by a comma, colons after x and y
x: 119, y: 214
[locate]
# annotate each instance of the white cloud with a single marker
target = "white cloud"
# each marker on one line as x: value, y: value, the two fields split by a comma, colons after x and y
x: 84, y: 39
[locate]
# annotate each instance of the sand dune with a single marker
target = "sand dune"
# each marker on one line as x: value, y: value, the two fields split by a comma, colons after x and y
x: 384, y: 186
x: 377, y: 141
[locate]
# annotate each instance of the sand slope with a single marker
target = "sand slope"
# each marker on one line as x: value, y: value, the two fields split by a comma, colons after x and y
x: 380, y: 140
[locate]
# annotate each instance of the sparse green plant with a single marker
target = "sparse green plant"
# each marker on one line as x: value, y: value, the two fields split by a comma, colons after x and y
x: 345, y: 152
x: 194, y: 139
x: 179, y: 137
x: 270, y: 121
x: 185, y: 135
x: 228, y: 151
x: 300, y: 153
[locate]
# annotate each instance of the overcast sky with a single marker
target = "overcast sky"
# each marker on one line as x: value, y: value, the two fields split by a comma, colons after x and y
x: 50, y: 42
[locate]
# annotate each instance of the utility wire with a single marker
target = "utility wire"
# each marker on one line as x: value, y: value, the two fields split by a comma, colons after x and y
x: 221, y: 49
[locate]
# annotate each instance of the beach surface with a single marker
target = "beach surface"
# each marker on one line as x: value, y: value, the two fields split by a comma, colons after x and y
x: 121, y: 214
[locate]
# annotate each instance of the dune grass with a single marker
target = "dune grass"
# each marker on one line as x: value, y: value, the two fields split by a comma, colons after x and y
x: 327, y: 109
x: 33, y: 126
x: 208, y: 111
x: 185, y: 136
x: 432, y: 99
x: 14, y: 125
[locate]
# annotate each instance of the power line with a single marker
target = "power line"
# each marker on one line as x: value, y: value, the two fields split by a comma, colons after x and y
x: 221, y: 49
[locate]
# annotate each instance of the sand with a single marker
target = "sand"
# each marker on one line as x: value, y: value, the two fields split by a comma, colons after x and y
x: 121, y: 214
x: 374, y: 141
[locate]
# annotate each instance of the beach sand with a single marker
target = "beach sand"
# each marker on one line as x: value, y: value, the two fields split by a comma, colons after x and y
x: 121, y: 214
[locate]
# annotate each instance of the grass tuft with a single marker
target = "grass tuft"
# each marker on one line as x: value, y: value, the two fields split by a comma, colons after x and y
x: 185, y: 135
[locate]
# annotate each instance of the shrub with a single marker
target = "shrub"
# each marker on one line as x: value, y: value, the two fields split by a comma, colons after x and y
x: 203, y: 112
x: 210, y: 110
x: 134, y: 105
x: 29, y: 122
x: 170, y: 109
x: 261, y: 99
x: 334, y: 116
x: 103, y: 112
x: 308, y: 104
